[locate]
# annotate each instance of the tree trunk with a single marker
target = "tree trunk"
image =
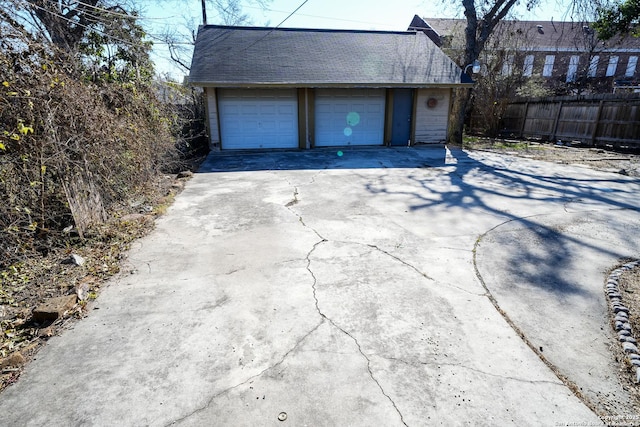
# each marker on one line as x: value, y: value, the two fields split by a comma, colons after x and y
x: 459, y: 109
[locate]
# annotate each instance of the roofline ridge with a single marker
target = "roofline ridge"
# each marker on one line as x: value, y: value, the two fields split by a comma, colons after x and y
x: 292, y: 29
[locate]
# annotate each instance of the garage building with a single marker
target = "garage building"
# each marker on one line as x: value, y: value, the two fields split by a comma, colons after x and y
x: 287, y: 88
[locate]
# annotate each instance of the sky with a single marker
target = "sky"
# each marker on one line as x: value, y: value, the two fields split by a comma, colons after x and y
x: 386, y: 15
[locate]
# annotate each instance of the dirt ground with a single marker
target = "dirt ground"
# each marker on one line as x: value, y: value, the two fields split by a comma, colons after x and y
x: 25, y: 286
x: 629, y: 286
x: 595, y: 158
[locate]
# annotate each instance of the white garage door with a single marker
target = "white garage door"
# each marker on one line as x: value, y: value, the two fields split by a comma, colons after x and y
x: 349, y: 117
x: 258, y: 118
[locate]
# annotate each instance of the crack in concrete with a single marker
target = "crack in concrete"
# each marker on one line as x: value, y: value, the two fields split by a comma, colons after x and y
x: 339, y: 328
x: 294, y: 200
x: 462, y: 366
x: 331, y: 322
x: 400, y: 260
x: 253, y: 377
x: 413, y: 267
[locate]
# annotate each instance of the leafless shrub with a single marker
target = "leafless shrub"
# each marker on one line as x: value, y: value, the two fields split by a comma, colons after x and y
x: 70, y: 148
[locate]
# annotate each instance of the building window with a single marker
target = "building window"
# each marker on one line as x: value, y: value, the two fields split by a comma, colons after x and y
x: 547, y: 71
x: 527, y: 71
x: 631, y: 66
x: 611, y: 68
x: 507, y: 65
x: 572, y: 71
x: 593, y: 66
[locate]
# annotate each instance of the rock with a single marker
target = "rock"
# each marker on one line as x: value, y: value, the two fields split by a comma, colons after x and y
x: 621, y: 308
x: 13, y: 360
x: 82, y: 290
x: 54, y: 308
x: 184, y: 174
x: 74, y: 259
x: 621, y: 318
x: 629, y: 347
x: 46, y: 332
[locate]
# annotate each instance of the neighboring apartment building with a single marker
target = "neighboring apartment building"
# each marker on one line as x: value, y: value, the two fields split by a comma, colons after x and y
x: 565, y: 54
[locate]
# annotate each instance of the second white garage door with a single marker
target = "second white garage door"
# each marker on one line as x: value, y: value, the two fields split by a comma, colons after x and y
x: 349, y: 117
x: 258, y: 118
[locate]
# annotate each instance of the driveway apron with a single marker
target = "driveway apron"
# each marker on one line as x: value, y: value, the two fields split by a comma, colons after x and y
x: 355, y: 288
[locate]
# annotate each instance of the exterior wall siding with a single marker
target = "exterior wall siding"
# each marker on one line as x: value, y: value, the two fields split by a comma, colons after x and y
x: 432, y: 118
x: 212, y: 112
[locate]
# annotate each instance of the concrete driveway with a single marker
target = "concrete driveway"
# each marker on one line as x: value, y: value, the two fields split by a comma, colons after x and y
x: 354, y: 289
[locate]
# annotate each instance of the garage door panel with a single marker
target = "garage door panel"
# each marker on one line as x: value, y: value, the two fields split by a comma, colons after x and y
x: 251, y: 119
x: 349, y: 117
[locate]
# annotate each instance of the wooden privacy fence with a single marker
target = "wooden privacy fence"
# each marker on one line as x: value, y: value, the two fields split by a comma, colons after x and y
x: 605, y: 120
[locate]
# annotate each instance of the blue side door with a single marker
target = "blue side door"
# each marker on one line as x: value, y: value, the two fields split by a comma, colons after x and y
x: 402, y: 111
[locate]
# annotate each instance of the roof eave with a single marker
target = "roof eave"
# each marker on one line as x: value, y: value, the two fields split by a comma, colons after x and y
x: 327, y: 85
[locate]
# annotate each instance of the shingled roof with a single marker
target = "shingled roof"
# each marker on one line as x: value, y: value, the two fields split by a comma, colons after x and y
x: 254, y: 56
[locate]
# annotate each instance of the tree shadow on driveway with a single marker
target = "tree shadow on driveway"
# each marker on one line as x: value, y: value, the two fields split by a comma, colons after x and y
x: 523, y: 193
x: 517, y: 191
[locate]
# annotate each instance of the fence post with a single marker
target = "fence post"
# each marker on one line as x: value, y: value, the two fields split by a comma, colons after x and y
x: 555, y: 123
x: 524, y: 119
x: 594, y: 136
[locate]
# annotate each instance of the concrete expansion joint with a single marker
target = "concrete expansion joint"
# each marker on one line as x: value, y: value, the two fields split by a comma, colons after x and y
x: 620, y: 317
x: 251, y: 378
x: 563, y: 378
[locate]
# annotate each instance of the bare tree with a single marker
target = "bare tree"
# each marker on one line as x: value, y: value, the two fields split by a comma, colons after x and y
x: 482, y: 17
x: 180, y: 41
x: 93, y: 34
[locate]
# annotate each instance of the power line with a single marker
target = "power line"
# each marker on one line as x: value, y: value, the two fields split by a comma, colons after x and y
x: 277, y: 26
x: 112, y: 12
x: 64, y: 18
x: 290, y: 15
x: 322, y: 17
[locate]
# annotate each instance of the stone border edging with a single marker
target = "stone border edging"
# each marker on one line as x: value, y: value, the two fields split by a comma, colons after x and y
x: 621, y: 316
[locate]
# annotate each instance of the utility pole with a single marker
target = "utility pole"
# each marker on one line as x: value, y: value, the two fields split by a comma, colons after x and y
x: 204, y: 12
